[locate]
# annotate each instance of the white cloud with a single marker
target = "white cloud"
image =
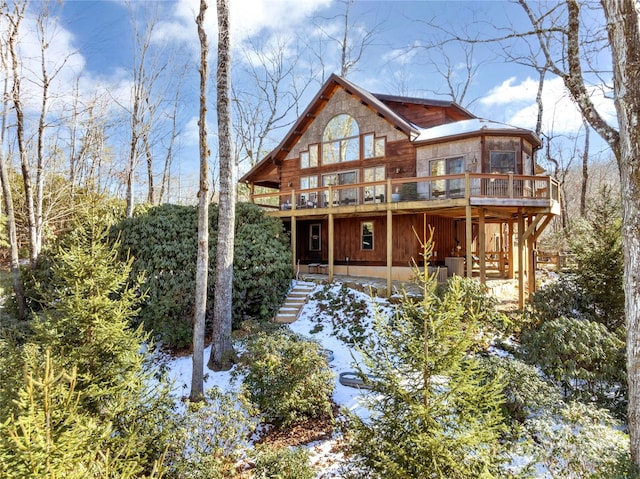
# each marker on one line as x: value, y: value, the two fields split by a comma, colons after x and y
x: 248, y: 17
x: 514, y: 102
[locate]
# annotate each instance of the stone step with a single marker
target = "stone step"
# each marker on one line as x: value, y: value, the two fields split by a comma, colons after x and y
x: 296, y: 298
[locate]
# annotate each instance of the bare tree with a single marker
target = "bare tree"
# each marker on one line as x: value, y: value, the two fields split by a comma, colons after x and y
x: 6, y: 187
x: 147, y: 68
x: 351, y: 41
x: 270, y: 98
x: 221, y: 347
x: 623, y: 26
x: 202, y: 267
x: 14, y: 19
x: 621, y: 19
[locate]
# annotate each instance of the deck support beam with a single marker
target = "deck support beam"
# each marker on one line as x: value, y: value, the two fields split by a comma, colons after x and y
x: 482, y: 247
x: 389, y: 251
x: 510, y: 250
x: 469, y: 239
x: 520, y: 260
x: 331, y: 232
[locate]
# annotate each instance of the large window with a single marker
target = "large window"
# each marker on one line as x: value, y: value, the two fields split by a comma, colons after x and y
x: 343, y: 196
x: 372, y: 147
x: 502, y: 162
x: 366, y: 235
x: 341, y: 140
x: 308, y: 182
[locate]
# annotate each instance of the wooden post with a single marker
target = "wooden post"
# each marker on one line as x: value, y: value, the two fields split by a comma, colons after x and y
x: 520, y: 260
x: 469, y: 239
x: 330, y: 245
x: 482, y: 246
x: 511, y: 257
x: 531, y: 267
x: 389, y: 251
x: 294, y: 242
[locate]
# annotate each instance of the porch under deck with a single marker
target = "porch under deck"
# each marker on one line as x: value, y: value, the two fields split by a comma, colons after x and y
x: 524, y: 204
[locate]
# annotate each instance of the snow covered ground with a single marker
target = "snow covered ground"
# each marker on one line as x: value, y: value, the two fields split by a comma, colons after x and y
x: 323, y: 454
x: 314, y: 322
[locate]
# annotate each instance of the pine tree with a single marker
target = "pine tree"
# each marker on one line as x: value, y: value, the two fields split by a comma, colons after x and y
x: 434, y: 414
x: 86, y: 326
x: 50, y: 436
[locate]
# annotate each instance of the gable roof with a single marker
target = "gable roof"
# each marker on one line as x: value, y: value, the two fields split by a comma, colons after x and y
x: 407, y: 114
x: 380, y: 104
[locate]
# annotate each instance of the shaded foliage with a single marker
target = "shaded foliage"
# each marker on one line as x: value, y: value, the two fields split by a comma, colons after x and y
x: 163, y: 242
x: 287, y: 378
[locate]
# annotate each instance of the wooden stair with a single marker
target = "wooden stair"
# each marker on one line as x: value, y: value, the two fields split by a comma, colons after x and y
x: 296, y: 298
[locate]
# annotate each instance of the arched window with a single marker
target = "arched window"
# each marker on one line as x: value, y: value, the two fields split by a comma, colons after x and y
x: 341, y: 140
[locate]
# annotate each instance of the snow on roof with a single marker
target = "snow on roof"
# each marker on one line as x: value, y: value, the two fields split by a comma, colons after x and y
x: 462, y: 127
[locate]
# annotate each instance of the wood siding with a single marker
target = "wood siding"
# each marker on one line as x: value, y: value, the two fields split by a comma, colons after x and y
x: 426, y: 116
x: 347, y: 240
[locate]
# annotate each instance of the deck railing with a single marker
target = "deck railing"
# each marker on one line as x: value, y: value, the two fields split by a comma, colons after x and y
x: 427, y: 188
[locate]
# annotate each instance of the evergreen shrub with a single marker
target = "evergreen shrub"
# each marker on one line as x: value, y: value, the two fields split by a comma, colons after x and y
x: 582, y: 357
x: 286, y: 463
x: 287, y: 378
x: 163, y: 242
x: 434, y: 411
x: 211, y: 437
x: 103, y: 367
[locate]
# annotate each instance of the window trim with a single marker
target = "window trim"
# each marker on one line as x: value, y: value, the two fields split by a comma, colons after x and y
x: 371, y: 235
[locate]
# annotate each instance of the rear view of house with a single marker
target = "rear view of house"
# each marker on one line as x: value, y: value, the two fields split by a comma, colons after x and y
x: 359, y: 172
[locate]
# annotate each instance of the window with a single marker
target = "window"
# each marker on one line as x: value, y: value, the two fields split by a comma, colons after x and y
x: 341, y: 140
x: 366, y: 235
x: 372, y: 147
x: 315, y: 240
x: 447, y: 166
x: 502, y: 162
x: 309, y: 159
x: 375, y: 193
x: 308, y: 182
x: 343, y: 196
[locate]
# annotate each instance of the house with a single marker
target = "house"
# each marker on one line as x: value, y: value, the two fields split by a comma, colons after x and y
x: 359, y: 172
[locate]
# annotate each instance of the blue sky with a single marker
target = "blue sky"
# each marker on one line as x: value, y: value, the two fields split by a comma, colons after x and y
x: 96, y: 39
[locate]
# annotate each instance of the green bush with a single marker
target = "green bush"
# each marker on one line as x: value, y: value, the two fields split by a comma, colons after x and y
x: 283, y: 464
x: 583, y: 357
x: 287, y: 378
x: 103, y: 367
x: 163, y: 242
x: 526, y: 393
x: 596, y: 246
x: 579, y: 441
x: 211, y: 437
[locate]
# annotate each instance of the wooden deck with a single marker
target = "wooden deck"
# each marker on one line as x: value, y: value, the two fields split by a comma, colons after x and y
x: 500, y: 197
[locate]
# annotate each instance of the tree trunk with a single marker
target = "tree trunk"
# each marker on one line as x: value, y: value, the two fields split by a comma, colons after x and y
x: 14, y: 29
x: 222, y: 349
x: 624, y: 37
x: 202, y: 268
x: 8, y: 203
x: 585, y: 171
